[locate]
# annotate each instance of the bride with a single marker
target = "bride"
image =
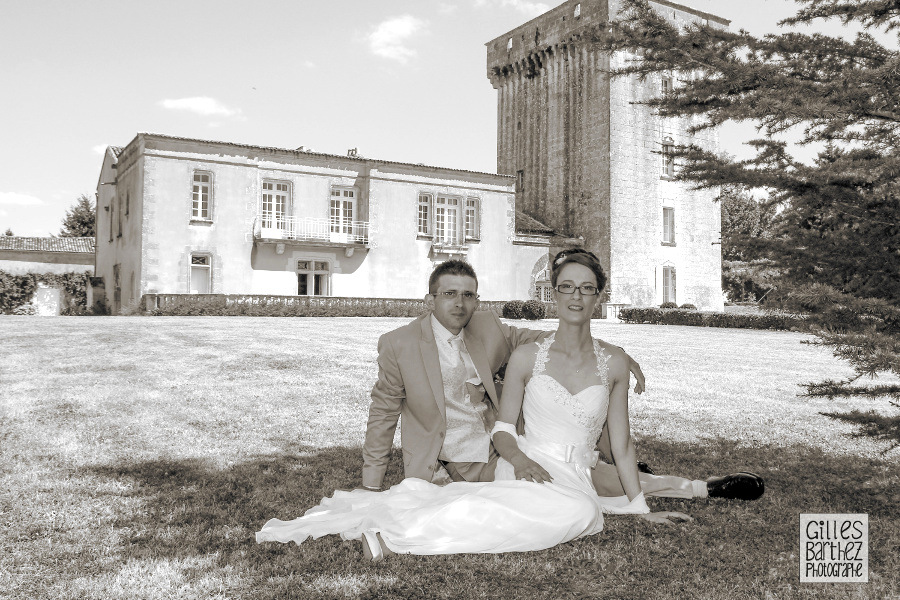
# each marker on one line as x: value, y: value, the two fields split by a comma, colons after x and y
x: 567, y: 387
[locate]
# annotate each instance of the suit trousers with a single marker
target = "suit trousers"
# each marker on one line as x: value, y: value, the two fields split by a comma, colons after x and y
x: 473, y: 471
x: 606, y: 481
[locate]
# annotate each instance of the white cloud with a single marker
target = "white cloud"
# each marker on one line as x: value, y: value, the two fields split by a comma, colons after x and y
x: 529, y: 9
x: 19, y: 199
x: 447, y: 9
x: 389, y: 37
x: 100, y: 148
x: 309, y: 64
x: 201, y: 105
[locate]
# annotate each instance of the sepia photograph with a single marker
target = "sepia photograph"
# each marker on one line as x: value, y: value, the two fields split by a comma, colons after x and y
x: 452, y: 299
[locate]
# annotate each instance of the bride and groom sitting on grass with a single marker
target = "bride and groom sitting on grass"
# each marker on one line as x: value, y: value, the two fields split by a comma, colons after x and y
x: 477, y: 480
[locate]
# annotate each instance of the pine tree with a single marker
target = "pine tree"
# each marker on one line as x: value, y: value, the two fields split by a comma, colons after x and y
x: 79, y: 221
x: 744, y: 221
x: 836, y: 236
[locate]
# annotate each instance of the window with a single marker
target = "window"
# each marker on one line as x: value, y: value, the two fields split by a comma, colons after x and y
x: 542, y: 286
x: 668, y: 226
x: 127, y: 202
x: 449, y: 220
x: 120, y: 202
x: 343, y: 207
x: 446, y: 220
x: 472, y: 219
x: 117, y: 287
x: 577, y: 10
x: 276, y: 201
x: 200, y: 274
x: 201, y: 196
x: 509, y: 44
x: 666, y: 85
x: 112, y: 209
x: 668, y: 159
x: 668, y: 284
x: 313, y: 278
x: 424, y: 214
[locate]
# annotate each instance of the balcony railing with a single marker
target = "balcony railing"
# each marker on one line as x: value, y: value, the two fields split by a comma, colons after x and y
x: 341, y: 231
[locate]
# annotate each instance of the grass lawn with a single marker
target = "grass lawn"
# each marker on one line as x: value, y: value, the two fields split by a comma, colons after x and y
x: 139, y: 455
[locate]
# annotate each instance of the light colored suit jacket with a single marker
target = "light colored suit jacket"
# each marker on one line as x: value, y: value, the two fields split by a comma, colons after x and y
x: 409, y: 384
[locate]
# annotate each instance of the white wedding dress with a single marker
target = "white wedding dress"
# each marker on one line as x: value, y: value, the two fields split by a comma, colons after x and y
x: 505, y: 515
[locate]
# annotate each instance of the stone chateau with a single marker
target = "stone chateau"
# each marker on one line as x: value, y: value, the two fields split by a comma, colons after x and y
x: 577, y: 162
x: 591, y: 163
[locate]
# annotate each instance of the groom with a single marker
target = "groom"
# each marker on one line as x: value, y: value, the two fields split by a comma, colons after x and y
x: 438, y: 373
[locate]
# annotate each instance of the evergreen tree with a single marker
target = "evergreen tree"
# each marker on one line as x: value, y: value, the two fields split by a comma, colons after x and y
x: 79, y: 221
x: 836, y: 236
x: 744, y: 221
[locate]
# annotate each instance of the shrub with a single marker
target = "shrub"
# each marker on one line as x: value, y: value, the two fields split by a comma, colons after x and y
x: 284, y: 306
x: 688, y: 307
x: 16, y: 290
x: 656, y: 316
x: 533, y: 310
x: 514, y: 309
x: 668, y: 305
x: 131, y: 309
x: 25, y: 309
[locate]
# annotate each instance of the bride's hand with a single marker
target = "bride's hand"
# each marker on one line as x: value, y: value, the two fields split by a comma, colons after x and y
x: 529, y: 470
x: 666, y: 517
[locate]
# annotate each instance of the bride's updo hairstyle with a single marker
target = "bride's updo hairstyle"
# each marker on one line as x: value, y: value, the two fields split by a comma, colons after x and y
x: 582, y: 257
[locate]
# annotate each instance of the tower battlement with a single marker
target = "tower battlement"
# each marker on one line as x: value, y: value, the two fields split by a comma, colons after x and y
x: 589, y: 158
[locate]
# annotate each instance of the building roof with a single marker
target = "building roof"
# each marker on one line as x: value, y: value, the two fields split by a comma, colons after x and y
x: 525, y: 224
x: 47, y: 244
x: 301, y: 150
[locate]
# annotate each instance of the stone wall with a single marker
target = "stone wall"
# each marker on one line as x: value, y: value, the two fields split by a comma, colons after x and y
x: 587, y: 158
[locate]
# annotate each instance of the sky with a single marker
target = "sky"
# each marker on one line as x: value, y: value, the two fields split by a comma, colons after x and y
x: 401, y: 80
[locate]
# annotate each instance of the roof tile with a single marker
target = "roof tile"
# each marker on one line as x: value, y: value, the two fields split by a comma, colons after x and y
x: 47, y: 244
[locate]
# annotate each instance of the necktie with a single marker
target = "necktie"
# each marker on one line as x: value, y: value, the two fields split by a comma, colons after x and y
x: 456, y: 344
x: 457, y: 368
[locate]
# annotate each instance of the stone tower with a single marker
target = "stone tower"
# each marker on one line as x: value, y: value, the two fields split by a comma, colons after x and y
x: 590, y: 163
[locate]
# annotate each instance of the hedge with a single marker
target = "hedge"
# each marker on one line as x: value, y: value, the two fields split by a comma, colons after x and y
x: 675, y: 316
x: 17, y: 290
x: 286, y: 306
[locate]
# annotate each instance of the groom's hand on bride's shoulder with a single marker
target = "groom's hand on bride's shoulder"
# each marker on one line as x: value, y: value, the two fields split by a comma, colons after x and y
x: 635, y: 369
x: 667, y: 517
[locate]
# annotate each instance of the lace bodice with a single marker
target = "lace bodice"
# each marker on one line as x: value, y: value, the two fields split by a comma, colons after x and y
x: 554, y: 414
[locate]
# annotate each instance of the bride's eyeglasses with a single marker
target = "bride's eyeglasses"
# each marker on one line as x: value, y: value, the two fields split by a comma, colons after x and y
x: 586, y: 289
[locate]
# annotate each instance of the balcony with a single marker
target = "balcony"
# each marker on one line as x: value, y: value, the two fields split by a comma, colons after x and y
x: 319, y: 232
x: 449, y: 247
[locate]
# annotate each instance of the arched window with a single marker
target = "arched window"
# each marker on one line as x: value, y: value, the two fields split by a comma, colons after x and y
x: 542, y: 287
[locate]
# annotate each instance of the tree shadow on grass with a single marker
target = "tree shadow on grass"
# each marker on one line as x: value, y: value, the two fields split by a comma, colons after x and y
x: 187, y: 509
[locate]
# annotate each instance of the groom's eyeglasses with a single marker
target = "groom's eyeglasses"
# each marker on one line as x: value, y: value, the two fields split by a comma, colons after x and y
x: 453, y: 295
x: 586, y: 289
